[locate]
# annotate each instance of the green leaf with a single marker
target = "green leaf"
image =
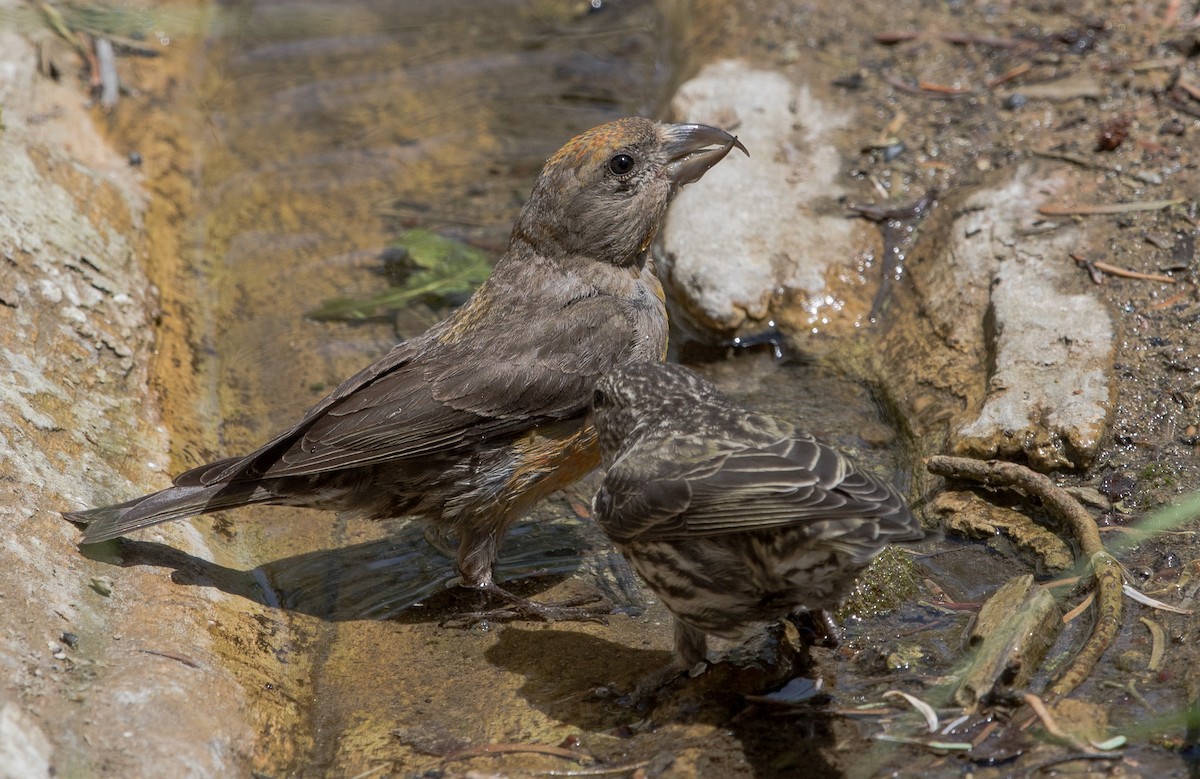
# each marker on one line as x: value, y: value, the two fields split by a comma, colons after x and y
x: 441, y: 267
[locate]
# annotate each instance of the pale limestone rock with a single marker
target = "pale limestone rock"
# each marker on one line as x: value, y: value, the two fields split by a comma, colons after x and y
x: 79, y: 425
x: 762, y: 226
x: 1048, y: 397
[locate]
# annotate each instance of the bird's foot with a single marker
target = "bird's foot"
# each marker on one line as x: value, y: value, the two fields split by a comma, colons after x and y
x: 573, y: 610
x: 644, y: 696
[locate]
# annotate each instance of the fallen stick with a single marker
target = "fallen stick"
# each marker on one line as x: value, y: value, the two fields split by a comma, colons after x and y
x: 1115, y: 270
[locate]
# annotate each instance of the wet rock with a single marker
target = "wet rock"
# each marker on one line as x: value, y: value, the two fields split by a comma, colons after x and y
x: 1131, y: 661
x: 905, y: 657
x: 1086, y: 721
x: 1090, y: 497
x: 773, y: 228
x: 1018, y: 360
x: 77, y: 427
x: 1049, y: 397
x: 1117, y: 485
x: 888, y: 583
x: 966, y: 514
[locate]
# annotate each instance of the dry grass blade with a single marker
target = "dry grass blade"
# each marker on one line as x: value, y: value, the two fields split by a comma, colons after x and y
x: 1114, y: 270
x: 931, y: 717
x: 1082, y: 607
x: 1158, y: 646
x: 1094, y: 209
x: 1146, y: 600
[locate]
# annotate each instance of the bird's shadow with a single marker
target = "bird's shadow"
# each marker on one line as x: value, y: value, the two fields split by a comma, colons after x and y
x: 577, y: 678
x: 401, y: 577
x: 567, y: 673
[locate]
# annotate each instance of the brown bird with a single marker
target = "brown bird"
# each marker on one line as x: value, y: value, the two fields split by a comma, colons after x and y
x: 476, y: 420
x: 735, y: 519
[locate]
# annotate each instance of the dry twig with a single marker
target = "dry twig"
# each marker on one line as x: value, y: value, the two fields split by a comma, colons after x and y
x: 924, y: 88
x: 1010, y: 74
x: 958, y: 38
x: 508, y: 749
x: 1146, y: 177
x: 1093, y: 209
x: 1114, y: 270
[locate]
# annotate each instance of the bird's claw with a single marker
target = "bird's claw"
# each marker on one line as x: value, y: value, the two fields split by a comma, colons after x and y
x: 644, y: 696
x: 817, y: 628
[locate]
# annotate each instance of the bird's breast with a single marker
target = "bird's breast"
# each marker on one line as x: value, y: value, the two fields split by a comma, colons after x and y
x: 550, y: 457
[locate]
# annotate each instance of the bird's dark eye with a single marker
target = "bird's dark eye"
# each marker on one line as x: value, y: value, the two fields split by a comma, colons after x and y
x: 598, y: 398
x: 621, y: 164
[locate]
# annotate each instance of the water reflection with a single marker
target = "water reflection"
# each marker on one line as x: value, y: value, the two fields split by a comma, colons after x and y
x: 402, y: 576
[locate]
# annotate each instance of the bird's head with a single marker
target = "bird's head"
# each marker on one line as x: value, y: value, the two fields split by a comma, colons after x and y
x: 604, y: 194
x: 628, y: 401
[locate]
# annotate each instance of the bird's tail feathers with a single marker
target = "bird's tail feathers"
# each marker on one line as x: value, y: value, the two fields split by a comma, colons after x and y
x: 217, y: 472
x: 172, y: 503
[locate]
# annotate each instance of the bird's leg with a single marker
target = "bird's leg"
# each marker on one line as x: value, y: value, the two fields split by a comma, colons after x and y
x: 574, y: 610
x: 440, y: 539
x: 691, y: 659
x: 772, y: 336
x: 817, y: 627
x: 691, y: 648
x: 476, y: 556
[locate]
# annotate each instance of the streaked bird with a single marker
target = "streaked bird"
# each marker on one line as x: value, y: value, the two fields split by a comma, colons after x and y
x: 470, y: 424
x: 735, y: 519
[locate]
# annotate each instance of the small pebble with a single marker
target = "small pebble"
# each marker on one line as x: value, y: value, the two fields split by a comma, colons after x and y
x: 1117, y: 485
x: 1014, y: 101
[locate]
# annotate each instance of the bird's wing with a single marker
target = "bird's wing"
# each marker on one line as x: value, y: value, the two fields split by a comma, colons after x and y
x: 250, y: 466
x: 630, y: 506
x: 446, y: 397
x: 545, y: 366
x: 792, y: 482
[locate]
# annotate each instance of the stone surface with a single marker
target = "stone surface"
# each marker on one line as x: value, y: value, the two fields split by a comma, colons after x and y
x: 1017, y: 361
x: 1008, y: 348
x: 1012, y: 633
x: 1049, y: 397
x: 1048, y: 394
x: 762, y: 227
x: 77, y: 428
x: 24, y: 749
x: 968, y: 515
